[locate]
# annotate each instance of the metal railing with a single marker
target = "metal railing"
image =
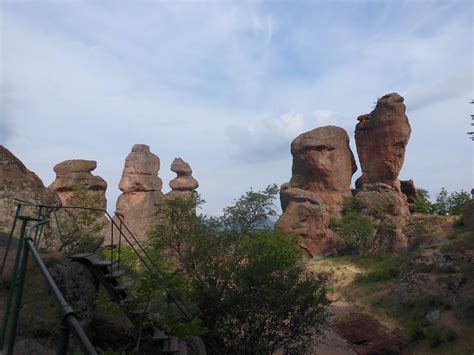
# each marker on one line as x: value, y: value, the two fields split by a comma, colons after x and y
x: 28, y: 244
x: 117, y: 226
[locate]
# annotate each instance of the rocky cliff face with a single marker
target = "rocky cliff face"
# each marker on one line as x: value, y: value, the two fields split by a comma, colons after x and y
x: 381, y: 138
x: 16, y: 181
x: 141, y: 191
x: 323, y: 165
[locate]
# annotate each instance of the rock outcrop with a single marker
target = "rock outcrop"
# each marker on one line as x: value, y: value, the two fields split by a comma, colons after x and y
x: 381, y: 138
x: 79, y: 230
x: 323, y: 165
x: 74, y: 182
x: 409, y: 190
x: 141, y: 191
x: 184, y: 184
x: 468, y: 214
x: 16, y: 181
x: 389, y: 211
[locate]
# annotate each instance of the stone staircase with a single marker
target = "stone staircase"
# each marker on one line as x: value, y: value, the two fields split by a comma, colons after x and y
x: 152, y: 339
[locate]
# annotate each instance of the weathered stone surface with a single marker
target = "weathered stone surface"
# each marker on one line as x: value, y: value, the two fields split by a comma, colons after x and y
x: 433, y: 272
x: 306, y: 216
x: 141, y: 171
x: 468, y: 214
x: 76, y: 283
x: 16, y: 181
x: 409, y: 190
x: 381, y: 138
x: 141, y: 191
x: 184, y: 184
x: 323, y: 165
x: 78, y: 286
x: 74, y: 175
x: 77, y: 186
x: 390, y: 210
x: 180, y: 167
x: 32, y: 347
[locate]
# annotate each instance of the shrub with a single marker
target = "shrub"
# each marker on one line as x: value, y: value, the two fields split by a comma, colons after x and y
x: 248, y: 282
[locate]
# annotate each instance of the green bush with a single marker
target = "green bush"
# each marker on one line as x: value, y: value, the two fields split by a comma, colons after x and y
x: 356, y: 229
x: 248, y: 282
x: 449, y: 204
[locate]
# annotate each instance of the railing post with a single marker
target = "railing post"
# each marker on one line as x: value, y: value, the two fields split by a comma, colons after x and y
x: 112, y: 244
x: 11, y: 291
x: 19, y: 295
x: 37, y: 231
x: 64, y: 332
x: 17, y: 213
x: 119, y: 246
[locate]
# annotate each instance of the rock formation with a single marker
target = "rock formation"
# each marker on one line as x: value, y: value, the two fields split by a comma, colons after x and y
x: 16, y: 181
x: 381, y: 138
x: 389, y: 209
x: 184, y: 184
x: 409, y: 190
x: 323, y: 165
x: 75, y: 182
x: 468, y: 214
x: 141, y: 191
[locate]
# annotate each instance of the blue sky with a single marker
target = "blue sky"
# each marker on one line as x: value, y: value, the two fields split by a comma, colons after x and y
x: 228, y: 85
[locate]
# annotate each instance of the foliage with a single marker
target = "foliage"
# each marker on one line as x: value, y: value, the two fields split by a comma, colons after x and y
x: 449, y: 204
x: 422, y: 203
x: 356, y: 229
x: 82, y: 231
x: 248, y: 282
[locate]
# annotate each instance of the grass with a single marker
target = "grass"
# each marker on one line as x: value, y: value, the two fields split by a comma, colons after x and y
x: 366, y: 282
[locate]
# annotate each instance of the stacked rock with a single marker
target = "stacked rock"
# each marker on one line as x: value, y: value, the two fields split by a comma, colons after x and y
x: 141, y: 191
x: 184, y: 184
x: 75, y: 175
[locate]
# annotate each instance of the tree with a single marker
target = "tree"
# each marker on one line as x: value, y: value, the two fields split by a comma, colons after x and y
x: 356, y: 229
x: 82, y: 229
x: 248, y: 282
x: 422, y: 203
x: 449, y: 204
x: 441, y: 206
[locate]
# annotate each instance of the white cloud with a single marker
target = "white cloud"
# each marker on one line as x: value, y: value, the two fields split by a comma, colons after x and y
x: 267, y: 139
x: 198, y: 80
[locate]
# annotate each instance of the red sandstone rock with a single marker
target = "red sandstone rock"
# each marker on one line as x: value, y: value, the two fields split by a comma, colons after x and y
x: 16, y: 181
x: 323, y: 165
x: 184, y: 183
x: 71, y: 174
x: 409, y: 190
x: 306, y: 216
x: 141, y: 171
x: 141, y: 187
x: 390, y: 211
x: 381, y: 138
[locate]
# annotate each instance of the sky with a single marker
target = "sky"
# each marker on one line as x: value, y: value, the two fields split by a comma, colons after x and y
x: 228, y: 85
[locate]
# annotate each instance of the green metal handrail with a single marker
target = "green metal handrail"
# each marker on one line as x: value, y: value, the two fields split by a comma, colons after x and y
x: 69, y: 319
x: 123, y: 230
